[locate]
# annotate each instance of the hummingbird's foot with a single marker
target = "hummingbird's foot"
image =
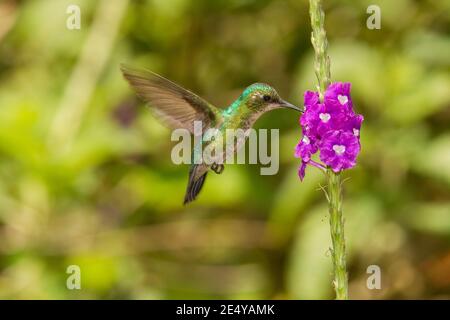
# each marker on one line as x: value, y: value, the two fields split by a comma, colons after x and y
x: 217, y: 168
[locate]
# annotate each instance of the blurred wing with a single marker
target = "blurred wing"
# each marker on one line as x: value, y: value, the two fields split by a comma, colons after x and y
x: 172, y: 104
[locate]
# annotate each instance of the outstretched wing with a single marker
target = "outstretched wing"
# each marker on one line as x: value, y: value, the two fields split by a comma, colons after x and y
x: 172, y: 104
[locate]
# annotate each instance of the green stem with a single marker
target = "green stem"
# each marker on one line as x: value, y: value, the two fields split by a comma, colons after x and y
x: 322, y: 69
x: 320, y: 44
x: 337, y: 235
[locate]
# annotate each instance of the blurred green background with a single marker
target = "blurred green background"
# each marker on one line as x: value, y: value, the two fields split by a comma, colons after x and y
x: 86, y: 177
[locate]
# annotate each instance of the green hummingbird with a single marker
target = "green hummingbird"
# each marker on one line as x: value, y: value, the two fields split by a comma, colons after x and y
x: 179, y: 108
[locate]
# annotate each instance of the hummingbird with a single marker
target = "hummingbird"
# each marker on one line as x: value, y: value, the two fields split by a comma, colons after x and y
x: 177, y: 107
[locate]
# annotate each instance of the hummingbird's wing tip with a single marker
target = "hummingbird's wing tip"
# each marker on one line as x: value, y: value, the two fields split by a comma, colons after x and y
x: 194, y: 186
x: 123, y: 66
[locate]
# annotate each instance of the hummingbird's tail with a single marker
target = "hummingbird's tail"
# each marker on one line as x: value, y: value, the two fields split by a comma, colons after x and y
x: 195, y: 183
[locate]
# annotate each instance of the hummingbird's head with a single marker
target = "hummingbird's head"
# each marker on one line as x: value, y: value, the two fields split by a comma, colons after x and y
x: 261, y: 97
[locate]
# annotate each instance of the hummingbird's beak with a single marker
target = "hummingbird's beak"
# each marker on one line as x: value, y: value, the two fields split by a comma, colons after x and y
x: 285, y: 104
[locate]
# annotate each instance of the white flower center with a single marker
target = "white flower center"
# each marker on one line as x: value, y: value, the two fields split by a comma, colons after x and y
x: 306, y: 140
x: 324, y: 117
x: 342, y: 99
x: 355, y: 132
x: 339, y: 149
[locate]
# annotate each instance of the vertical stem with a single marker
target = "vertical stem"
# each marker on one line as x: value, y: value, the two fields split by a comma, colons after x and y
x: 320, y: 44
x: 340, y: 281
x: 322, y: 69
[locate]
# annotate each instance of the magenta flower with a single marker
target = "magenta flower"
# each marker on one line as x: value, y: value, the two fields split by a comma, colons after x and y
x: 301, y: 170
x: 354, y: 124
x: 305, y: 148
x: 338, y: 95
x: 311, y: 99
x: 331, y: 127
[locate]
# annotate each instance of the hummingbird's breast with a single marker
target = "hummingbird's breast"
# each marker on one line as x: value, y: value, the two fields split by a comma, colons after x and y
x: 238, y: 127
x: 224, y: 140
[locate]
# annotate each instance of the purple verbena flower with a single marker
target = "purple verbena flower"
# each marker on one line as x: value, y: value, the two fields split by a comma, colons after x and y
x: 305, y: 148
x: 354, y: 124
x: 301, y: 170
x: 311, y: 99
x: 331, y: 127
x: 339, y: 150
x: 338, y: 95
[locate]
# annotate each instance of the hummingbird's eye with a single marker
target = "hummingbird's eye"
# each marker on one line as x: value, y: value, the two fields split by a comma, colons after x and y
x: 266, y: 98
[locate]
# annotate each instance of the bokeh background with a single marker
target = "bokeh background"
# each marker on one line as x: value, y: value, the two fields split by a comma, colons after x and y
x: 86, y: 177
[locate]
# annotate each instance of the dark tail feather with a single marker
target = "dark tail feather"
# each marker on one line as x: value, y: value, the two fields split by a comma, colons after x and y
x: 194, y: 187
